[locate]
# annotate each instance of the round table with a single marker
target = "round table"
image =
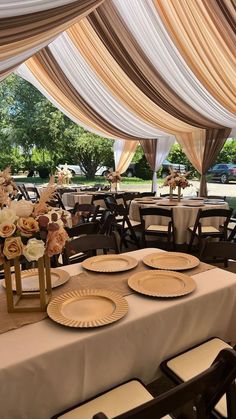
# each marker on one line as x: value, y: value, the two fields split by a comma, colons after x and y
x: 184, y: 214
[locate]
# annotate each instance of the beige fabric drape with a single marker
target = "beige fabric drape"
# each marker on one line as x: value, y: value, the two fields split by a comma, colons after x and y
x: 203, y: 152
x: 121, y: 44
x: 121, y: 86
x: 204, y: 49
x: 125, y: 156
x: 47, y: 71
x: 21, y: 35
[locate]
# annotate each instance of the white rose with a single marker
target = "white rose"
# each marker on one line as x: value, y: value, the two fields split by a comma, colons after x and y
x: 8, y: 215
x: 2, y: 180
x: 22, y: 208
x: 34, y: 249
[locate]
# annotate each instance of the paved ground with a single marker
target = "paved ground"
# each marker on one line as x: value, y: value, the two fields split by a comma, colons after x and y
x: 213, y: 188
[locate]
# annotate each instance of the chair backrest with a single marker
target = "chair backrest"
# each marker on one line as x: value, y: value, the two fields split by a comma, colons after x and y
x: 128, y: 197
x: 143, y: 194
x: 83, y: 229
x: 162, y: 212
x: 86, y: 212
x: 221, y: 197
x: 166, y: 195
x: 211, y: 251
x: 56, y: 202
x: 32, y: 192
x: 107, y: 223
x: 87, y: 246
x: 105, y: 188
x: 203, y: 391
x: 110, y: 201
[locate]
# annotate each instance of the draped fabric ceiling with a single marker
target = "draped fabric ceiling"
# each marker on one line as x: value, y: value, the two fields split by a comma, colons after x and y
x: 133, y: 69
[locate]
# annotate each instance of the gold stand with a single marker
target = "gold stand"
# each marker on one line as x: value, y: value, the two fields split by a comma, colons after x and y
x: 15, y: 299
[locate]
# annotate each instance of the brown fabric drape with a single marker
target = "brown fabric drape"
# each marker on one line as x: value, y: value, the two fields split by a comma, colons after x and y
x: 214, y: 142
x: 149, y: 148
x: 121, y: 44
x: 21, y: 34
x: 57, y: 83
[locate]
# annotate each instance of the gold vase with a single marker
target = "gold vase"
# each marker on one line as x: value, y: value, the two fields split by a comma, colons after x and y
x: 21, y: 301
x: 171, y: 194
x: 179, y: 193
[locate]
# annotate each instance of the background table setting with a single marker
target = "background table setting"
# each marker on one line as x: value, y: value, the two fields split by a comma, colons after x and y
x: 184, y: 213
x: 57, y: 363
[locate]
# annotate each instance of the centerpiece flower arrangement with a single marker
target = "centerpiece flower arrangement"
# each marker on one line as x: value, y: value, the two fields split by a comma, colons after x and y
x: 31, y: 232
x: 176, y: 180
x: 64, y: 175
x: 114, y: 178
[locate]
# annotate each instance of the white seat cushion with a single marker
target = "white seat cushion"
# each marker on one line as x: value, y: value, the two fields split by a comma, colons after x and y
x: 207, y: 229
x: 195, y: 361
x: 133, y: 223
x: 231, y: 226
x: 114, y: 402
x: 156, y: 227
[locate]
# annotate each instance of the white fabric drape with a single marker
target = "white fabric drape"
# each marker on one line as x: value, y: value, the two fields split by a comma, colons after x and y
x: 145, y: 24
x: 123, y: 153
x: 162, y: 150
x: 9, y: 8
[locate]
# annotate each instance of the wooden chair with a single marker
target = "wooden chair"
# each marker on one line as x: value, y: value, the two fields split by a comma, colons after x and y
x: 143, y: 194
x: 83, y: 229
x: 107, y: 223
x: 189, y: 364
x: 105, y: 188
x: 83, y: 247
x: 231, y: 228
x: 128, y: 197
x: 132, y: 400
x: 31, y: 192
x: 57, y: 202
x: 159, y: 230
x: 217, y: 252
x: 167, y: 195
x: 85, y: 212
x: 200, y: 231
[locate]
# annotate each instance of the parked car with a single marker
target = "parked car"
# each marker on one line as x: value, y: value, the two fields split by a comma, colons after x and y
x: 76, y: 170
x: 130, y: 172
x: 223, y: 172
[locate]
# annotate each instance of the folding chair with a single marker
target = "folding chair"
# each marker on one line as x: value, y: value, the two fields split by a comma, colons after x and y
x: 132, y: 400
x: 159, y: 230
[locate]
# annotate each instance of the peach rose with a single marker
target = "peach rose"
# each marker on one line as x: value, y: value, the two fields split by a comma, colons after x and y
x: 7, y: 229
x: 56, y: 241
x: 13, y: 247
x: 28, y: 226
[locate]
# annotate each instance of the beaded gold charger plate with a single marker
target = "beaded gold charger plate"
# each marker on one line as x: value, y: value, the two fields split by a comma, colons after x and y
x: 110, y: 263
x: 162, y: 283
x: 30, y: 281
x: 87, y: 308
x: 171, y: 261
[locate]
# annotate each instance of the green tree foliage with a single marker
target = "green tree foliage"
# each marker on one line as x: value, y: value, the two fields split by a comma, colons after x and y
x: 228, y: 152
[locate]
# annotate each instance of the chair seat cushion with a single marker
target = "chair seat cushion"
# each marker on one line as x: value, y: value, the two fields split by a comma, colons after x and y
x: 114, y: 402
x: 231, y: 226
x: 133, y: 223
x: 207, y: 229
x: 195, y: 361
x: 155, y: 227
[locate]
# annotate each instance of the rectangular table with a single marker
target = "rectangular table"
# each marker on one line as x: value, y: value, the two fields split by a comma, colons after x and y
x: 45, y: 367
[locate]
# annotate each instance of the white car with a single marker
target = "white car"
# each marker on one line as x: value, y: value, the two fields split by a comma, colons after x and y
x: 76, y: 170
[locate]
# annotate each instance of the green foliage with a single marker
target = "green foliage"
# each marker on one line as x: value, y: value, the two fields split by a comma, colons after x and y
x: 142, y: 169
x: 138, y: 154
x: 228, y: 152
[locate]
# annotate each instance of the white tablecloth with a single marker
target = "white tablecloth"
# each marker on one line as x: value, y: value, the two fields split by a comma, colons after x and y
x: 46, y: 367
x: 184, y: 217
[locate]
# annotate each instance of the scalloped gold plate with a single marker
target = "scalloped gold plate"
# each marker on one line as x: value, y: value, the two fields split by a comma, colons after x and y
x: 109, y: 263
x: 162, y: 283
x: 87, y: 308
x: 175, y: 261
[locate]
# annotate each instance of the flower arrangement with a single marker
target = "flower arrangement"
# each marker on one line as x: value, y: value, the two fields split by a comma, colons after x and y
x: 8, y: 188
x: 64, y: 175
x: 176, y: 179
x: 114, y: 177
x: 31, y: 229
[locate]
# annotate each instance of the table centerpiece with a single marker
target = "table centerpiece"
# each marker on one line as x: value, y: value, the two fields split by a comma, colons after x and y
x: 64, y: 175
x: 29, y: 233
x: 176, y: 180
x: 114, y: 178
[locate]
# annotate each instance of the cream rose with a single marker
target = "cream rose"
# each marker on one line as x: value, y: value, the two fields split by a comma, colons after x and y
x: 7, y: 229
x: 8, y: 215
x: 13, y: 247
x: 28, y: 226
x: 22, y: 208
x: 34, y: 249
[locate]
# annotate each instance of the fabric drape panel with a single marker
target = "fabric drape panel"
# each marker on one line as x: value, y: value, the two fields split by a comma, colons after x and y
x: 202, y: 46
x: 215, y: 140
x: 203, y: 152
x: 121, y: 86
x: 155, y: 152
x: 123, y: 154
x: 146, y: 26
x: 22, y: 35
x: 59, y: 85
x: 120, y: 43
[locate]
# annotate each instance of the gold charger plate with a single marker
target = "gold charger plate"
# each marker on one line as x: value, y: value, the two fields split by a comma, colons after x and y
x: 162, y: 283
x: 30, y: 280
x: 171, y: 261
x: 109, y: 263
x: 87, y: 308
x: 168, y: 203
